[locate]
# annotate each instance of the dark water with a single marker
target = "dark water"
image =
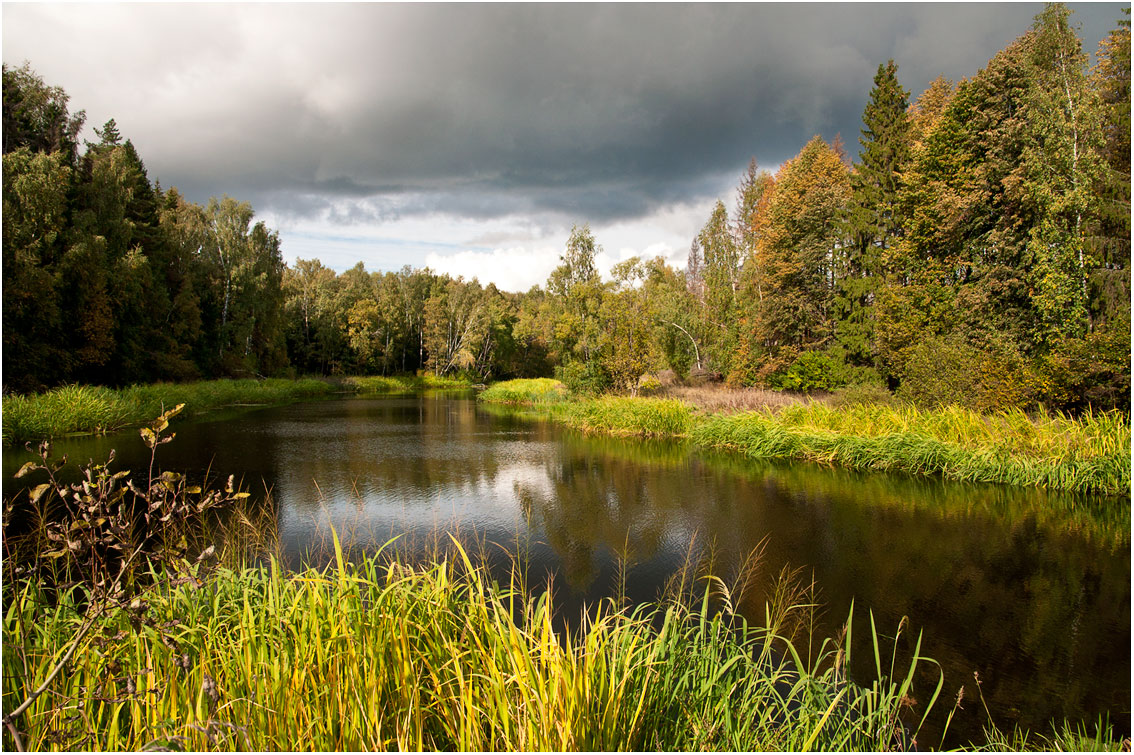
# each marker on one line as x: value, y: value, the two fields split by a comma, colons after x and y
x: 999, y: 584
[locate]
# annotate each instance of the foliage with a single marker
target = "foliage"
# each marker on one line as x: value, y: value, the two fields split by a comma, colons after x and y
x: 950, y: 371
x: 822, y: 371
x: 383, y: 654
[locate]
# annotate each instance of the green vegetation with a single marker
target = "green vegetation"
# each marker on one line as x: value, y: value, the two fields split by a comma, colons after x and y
x: 1089, y: 454
x: 975, y: 253
x: 93, y: 409
x: 384, y: 655
x: 381, y: 384
x: 132, y: 632
x: 535, y: 391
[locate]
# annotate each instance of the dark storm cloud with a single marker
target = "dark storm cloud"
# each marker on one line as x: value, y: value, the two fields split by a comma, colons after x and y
x: 363, y: 113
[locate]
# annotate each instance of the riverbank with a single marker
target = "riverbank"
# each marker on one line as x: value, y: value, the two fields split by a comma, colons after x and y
x: 1089, y: 454
x: 79, y: 409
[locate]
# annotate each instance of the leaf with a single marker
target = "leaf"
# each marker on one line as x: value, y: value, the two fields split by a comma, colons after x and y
x: 28, y: 467
x: 38, y: 491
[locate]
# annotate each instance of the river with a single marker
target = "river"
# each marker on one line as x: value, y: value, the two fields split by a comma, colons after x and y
x: 1037, y: 604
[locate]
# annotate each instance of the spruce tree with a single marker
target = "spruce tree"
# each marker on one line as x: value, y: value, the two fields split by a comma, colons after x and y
x: 873, y: 222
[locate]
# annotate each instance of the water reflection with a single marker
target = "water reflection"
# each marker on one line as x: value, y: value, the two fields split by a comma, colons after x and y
x: 995, y: 576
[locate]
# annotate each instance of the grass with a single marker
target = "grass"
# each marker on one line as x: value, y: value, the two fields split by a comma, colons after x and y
x: 1088, y: 454
x: 383, y: 654
x: 535, y: 391
x: 93, y: 409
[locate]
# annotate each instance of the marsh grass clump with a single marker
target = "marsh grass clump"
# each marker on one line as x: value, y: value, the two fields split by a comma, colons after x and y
x: 93, y: 409
x: 1089, y: 454
x: 533, y: 391
x: 396, y: 383
x: 624, y: 415
x: 382, y: 654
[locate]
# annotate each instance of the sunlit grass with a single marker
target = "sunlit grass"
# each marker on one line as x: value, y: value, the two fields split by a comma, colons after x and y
x: 526, y: 391
x: 382, y: 654
x: 1089, y: 454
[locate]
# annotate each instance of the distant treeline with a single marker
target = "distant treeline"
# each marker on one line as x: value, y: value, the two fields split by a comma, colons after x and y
x: 978, y: 252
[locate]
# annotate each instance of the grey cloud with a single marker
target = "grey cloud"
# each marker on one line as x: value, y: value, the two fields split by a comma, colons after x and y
x: 593, y: 111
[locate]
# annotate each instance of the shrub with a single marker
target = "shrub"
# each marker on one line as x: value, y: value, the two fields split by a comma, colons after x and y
x: 648, y: 385
x: 584, y: 378
x: 822, y: 371
x: 1088, y: 372
x: 943, y: 371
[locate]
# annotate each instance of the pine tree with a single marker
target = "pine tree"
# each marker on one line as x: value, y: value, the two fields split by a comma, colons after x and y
x: 1108, y: 235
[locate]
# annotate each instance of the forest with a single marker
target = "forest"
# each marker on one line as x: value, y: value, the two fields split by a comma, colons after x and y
x: 975, y: 252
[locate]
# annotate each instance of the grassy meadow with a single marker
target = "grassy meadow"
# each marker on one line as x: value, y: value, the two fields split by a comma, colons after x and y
x: 1088, y: 454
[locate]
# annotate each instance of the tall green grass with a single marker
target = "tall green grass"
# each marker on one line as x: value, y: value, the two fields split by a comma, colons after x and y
x: 1087, y: 454
x: 383, y: 655
x: 620, y: 415
x: 1090, y: 454
x: 384, y: 384
x: 93, y: 409
x: 525, y: 391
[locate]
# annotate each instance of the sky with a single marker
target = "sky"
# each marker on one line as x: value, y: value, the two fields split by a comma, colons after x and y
x: 470, y: 138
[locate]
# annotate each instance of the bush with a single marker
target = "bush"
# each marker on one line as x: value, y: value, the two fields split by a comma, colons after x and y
x: 648, y: 385
x: 584, y: 378
x: 1090, y: 372
x: 823, y: 371
x: 943, y: 371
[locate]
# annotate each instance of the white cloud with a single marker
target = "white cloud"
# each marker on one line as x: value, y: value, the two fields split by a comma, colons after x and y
x: 513, y: 269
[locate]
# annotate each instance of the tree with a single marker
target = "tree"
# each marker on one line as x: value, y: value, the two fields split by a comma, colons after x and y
x: 457, y: 322
x: 873, y: 218
x: 799, y: 253
x: 36, y: 116
x: 577, y: 291
x: 722, y: 277
x: 1060, y: 162
x: 1108, y: 235
x: 35, y: 221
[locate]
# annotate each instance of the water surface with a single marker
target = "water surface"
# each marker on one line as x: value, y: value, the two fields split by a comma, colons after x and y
x: 1001, y: 580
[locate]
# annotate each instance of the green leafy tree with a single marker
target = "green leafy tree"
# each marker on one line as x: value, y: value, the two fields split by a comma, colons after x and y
x: 722, y: 279
x: 36, y: 115
x: 799, y: 253
x: 577, y: 295
x: 35, y: 222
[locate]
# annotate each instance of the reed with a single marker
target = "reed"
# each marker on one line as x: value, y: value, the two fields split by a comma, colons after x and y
x: 535, y: 391
x: 1090, y: 454
x: 1085, y: 454
x: 620, y: 415
x: 382, y: 654
x: 397, y: 383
